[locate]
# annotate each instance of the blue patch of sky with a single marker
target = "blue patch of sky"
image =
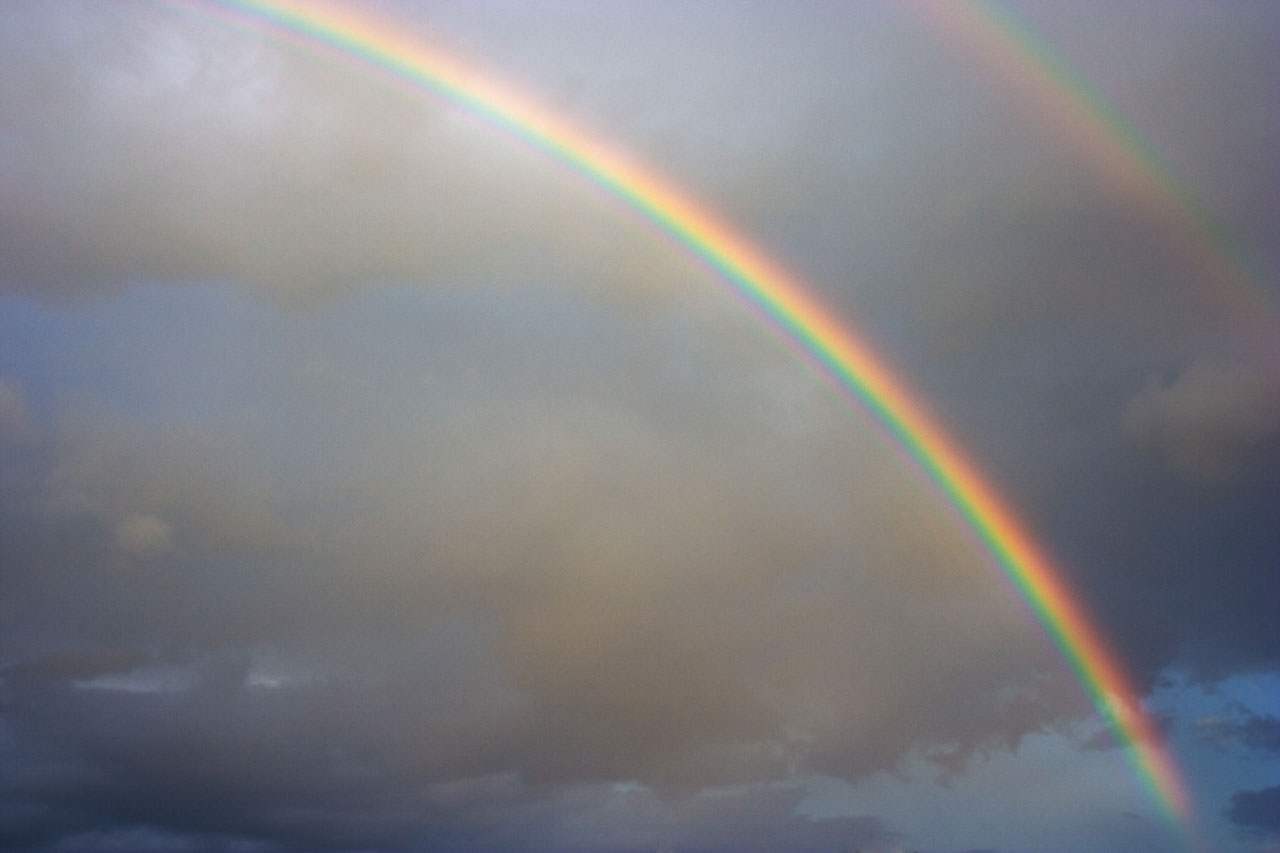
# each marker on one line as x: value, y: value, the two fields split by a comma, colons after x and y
x: 1213, y: 769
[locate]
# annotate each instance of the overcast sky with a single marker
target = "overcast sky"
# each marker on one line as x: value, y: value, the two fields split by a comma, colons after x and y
x: 369, y: 481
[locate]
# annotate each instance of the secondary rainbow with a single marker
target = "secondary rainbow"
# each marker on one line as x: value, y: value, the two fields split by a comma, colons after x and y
x: 824, y: 338
x: 1196, y: 243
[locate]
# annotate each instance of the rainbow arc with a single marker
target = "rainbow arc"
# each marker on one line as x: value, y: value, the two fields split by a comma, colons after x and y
x: 827, y: 340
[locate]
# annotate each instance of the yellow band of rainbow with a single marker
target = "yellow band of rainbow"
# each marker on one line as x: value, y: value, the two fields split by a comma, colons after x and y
x: 353, y: 33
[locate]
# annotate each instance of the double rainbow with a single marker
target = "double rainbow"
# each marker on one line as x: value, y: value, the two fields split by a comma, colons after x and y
x: 785, y: 302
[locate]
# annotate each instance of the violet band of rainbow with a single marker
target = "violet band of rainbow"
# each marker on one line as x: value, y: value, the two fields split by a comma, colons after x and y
x: 822, y: 336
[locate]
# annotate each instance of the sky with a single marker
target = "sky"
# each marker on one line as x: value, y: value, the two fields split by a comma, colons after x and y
x: 371, y: 481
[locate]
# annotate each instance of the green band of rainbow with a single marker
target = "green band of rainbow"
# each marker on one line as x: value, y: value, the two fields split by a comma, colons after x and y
x: 800, y: 318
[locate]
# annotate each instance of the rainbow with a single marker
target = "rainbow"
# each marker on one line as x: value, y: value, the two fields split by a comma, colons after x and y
x: 786, y: 303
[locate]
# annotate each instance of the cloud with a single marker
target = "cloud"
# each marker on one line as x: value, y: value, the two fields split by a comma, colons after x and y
x: 1209, y: 422
x: 300, y: 793
x: 162, y: 146
x: 77, y: 664
x: 1240, y: 727
x: 17, y: 422
x: 1256, y: 813
x: 623, y: 572
x: 220, y: 761
x: 143, y: 839
x: 446, y: 550
x: 143, y: 536
x: 571, y: 589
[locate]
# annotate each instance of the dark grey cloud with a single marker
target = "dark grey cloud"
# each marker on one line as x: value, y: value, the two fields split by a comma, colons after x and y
x: 15, y: 415
x: 68, y: 664
x: 593, y: 543
x: 228, y: 765
x: 1212, y: 421
x: 566, y: 591
x: 1256, y: 813
x: 1240, y: 727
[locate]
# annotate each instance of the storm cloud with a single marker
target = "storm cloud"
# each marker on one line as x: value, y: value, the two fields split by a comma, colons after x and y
x: 369, y: 481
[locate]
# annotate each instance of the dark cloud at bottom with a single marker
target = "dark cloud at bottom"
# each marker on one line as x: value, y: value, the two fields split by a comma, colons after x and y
x: 231, y: 768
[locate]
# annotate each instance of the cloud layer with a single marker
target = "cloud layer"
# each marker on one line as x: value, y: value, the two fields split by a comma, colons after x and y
x: 369, y: 483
